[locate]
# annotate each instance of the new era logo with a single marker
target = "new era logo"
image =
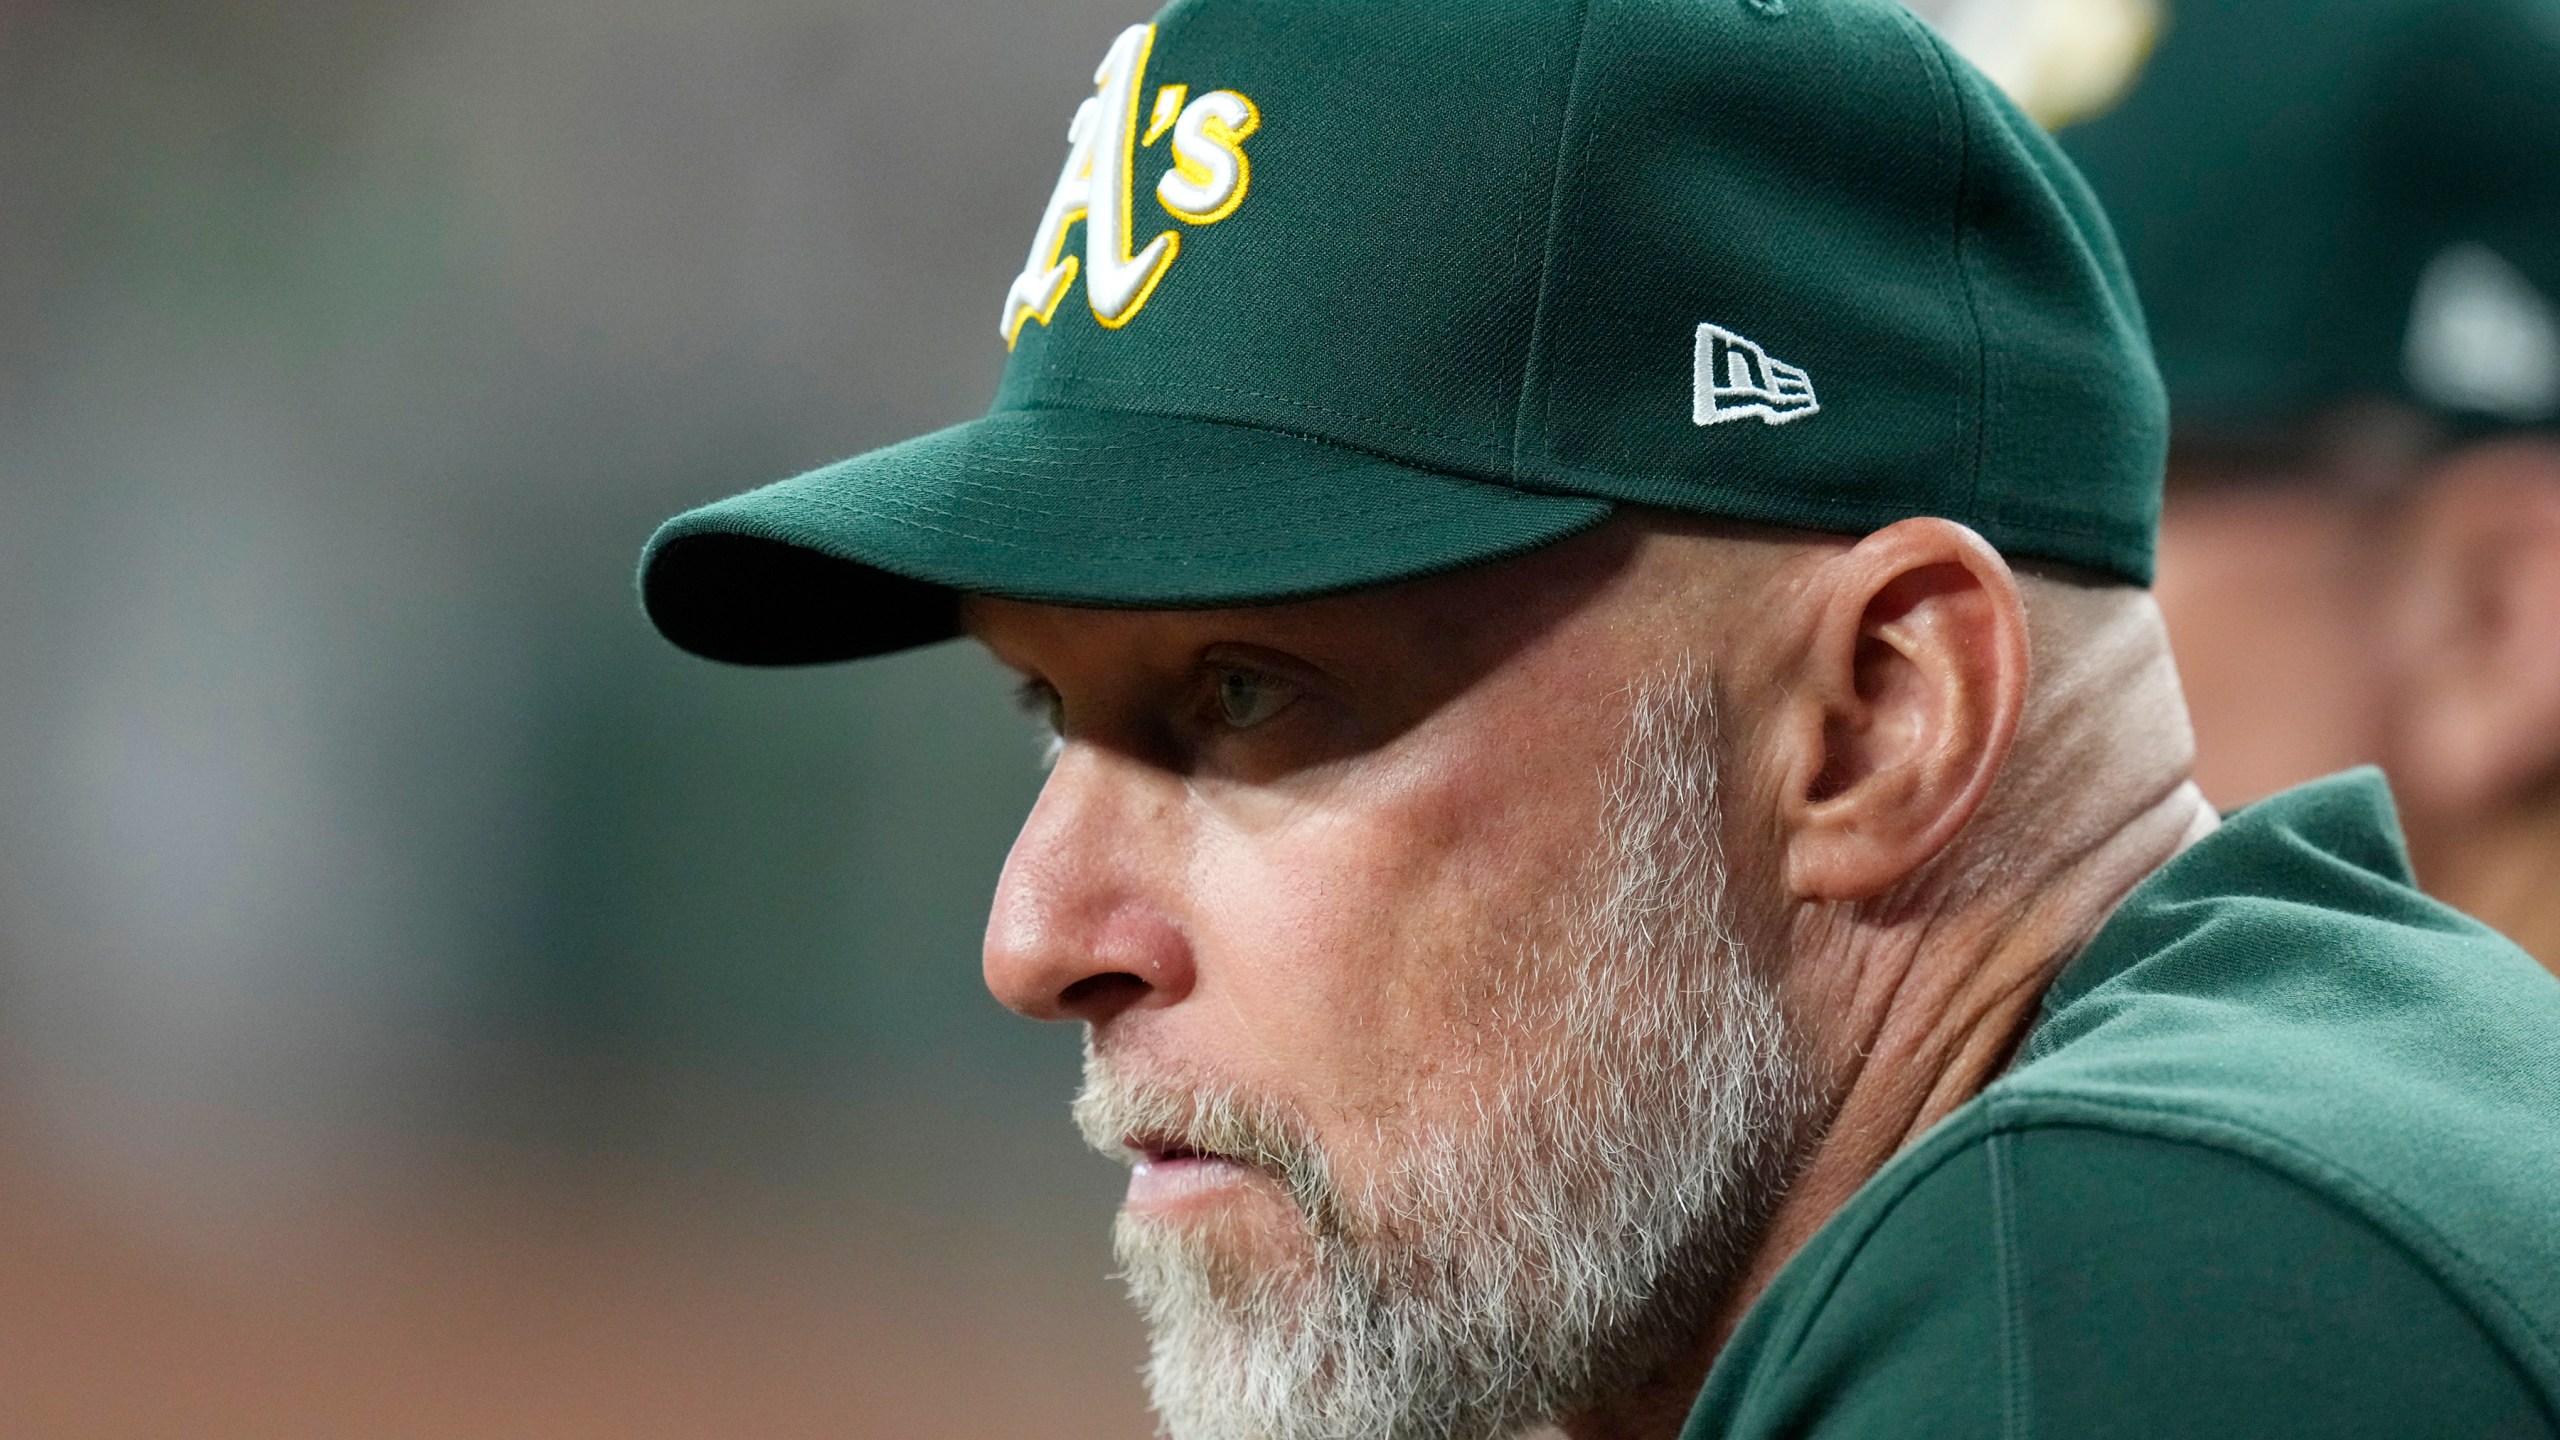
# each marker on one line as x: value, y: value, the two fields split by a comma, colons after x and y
x: 1736, y: 378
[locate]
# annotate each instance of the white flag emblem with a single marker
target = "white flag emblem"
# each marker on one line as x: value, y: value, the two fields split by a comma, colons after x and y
x: 1735, y: 378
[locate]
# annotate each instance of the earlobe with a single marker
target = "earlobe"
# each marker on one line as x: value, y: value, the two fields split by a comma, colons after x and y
x: 1911, y: 689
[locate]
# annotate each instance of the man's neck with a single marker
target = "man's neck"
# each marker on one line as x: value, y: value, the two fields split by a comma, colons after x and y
x: 1928, y: 1010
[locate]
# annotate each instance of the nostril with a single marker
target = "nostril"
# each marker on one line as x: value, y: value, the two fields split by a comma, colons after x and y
x: 1096, y: 996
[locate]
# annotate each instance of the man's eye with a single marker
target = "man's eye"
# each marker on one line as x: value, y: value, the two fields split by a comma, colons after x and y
x: 1035, y: 699
x: 1246, y: 698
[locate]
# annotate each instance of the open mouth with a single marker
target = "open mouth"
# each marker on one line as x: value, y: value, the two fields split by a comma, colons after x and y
x: 1146, y: 1150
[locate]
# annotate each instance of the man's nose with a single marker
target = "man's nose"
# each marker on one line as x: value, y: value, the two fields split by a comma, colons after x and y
x: 1084, y: 924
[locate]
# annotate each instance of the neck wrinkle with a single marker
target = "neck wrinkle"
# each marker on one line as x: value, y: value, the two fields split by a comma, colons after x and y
x: 1962, y: 989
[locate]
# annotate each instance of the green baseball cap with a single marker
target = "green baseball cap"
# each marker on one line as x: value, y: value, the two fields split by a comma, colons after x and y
x: 2331, y: 201
x: 1333, y: 294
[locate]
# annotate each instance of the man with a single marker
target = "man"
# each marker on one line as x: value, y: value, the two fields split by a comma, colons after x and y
x: 2344, y: 221
x: 1619, y: 824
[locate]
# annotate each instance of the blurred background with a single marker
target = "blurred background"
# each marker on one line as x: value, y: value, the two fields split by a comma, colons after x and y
x: 430, y: 1005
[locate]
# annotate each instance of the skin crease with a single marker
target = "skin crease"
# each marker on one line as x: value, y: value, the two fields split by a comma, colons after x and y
x: 1290, y: 905
x: 2318, y: 630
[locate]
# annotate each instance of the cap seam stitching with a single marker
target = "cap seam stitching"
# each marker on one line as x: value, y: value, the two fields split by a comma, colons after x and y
x: 1972, y: 295
x: 1567, y: 160
x: 1943, y: 74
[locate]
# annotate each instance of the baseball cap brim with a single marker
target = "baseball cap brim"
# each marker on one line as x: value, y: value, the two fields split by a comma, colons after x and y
x: 1072, y: 507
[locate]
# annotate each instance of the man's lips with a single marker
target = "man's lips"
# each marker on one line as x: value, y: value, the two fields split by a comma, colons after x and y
x: 1165, y: 1174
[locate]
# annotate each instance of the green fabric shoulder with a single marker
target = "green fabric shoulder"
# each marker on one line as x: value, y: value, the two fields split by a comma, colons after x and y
x: 2282, y: 1157
x: 2051, y: 1279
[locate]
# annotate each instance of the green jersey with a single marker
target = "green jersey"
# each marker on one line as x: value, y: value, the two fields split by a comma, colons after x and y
x: 2280, y: 1156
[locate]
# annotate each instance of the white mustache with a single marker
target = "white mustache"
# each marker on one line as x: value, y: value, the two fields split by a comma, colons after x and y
x: 1128, y: 1117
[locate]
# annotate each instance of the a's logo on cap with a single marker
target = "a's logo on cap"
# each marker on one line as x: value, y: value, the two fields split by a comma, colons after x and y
x: 1735, y: 378
x: 1206, y: 183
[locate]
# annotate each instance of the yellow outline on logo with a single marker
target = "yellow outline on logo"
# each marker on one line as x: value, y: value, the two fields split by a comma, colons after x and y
x: 1168, y: 109
x: 1066, y: 282
x: 1128, y: 200
x: 1062, y: 273
x: 1146, y: 288
x: 1171, y: 104
x: 1231, y: 141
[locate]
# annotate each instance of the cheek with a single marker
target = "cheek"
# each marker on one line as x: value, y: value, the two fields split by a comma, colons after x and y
x: 1356, y: 948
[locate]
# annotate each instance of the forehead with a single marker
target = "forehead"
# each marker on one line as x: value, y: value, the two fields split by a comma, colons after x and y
x: 1468, y: 619
x: 1587, y: 616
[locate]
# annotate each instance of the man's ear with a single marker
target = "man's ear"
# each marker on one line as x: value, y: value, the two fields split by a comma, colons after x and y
x: 2475, y: 642
x: 1908, y: 695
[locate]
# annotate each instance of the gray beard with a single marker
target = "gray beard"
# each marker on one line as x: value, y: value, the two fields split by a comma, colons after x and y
x: 1570, y: 1236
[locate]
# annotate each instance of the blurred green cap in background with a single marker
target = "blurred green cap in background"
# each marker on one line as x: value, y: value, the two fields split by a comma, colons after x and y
x: 2336, y: 201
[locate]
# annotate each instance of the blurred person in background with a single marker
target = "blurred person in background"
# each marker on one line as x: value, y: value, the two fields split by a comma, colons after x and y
x: 2344, y: 223
x: 1620, y: 823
